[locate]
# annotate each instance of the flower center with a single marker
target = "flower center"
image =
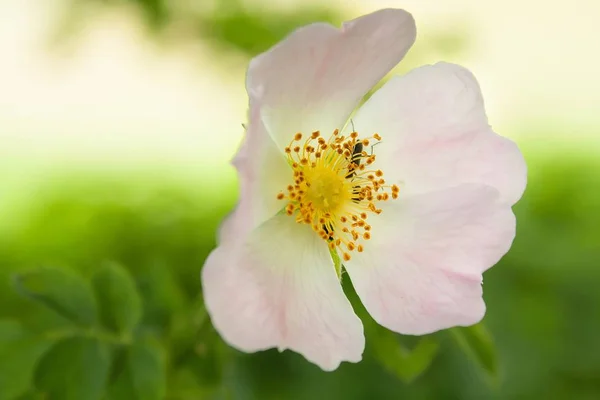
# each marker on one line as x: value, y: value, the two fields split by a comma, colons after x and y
x: 335, y: 189
x: 325, y: 188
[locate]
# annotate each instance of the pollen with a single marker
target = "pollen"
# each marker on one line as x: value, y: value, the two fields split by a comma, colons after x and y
x: 334, y: 188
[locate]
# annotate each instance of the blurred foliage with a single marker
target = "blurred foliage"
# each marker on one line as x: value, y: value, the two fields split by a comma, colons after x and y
x: 135, y: 328
x: 248, y: 27
x: 156, y: 12
x: 477, y: 342
x: 255, y: 31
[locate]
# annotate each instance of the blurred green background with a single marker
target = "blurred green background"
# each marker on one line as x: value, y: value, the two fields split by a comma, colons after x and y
x: 117, y: 120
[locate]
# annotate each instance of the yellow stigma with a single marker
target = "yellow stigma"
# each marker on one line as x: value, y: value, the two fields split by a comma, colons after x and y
x: 335, y: 188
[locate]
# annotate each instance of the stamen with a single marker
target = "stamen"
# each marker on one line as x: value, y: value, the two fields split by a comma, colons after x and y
x: 335, y: 188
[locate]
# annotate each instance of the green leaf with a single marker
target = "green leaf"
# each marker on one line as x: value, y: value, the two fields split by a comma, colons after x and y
x: 476, y: 341
x: 63, y: 291
x: 404, y: 363
x: 20, y: 351
x: 9, y: 330
x: 120, y: 386
x: 31, y: 395
x: 162, y: 294
x: 186, y: 385
x: 143, y: 375
x: 148, y: 370
x: 120, y: 304
x: 75, y: 368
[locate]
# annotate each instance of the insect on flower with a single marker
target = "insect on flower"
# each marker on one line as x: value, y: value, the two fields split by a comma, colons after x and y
x: 412, y: 195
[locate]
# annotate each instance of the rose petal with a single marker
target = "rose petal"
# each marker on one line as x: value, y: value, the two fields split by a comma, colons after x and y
x: 263, y: 172
x: 421, y: 271
x: 314, y: 78
x: 279, y: 289
x: 436, y: 135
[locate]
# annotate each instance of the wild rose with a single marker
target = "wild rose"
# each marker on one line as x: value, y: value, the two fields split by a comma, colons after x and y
x: 412, y: 193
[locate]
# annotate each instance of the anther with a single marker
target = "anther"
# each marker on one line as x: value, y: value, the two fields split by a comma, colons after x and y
x: 336, y: 211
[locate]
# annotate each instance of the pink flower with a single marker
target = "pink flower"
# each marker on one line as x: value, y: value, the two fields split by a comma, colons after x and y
x: 413, y: 195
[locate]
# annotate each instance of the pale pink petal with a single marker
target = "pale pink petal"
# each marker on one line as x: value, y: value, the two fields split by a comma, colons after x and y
x: 279, y: 289
x: 421, y: 270
x: 436, y: 135
x: 262, y: 172
x: 314, y: 78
